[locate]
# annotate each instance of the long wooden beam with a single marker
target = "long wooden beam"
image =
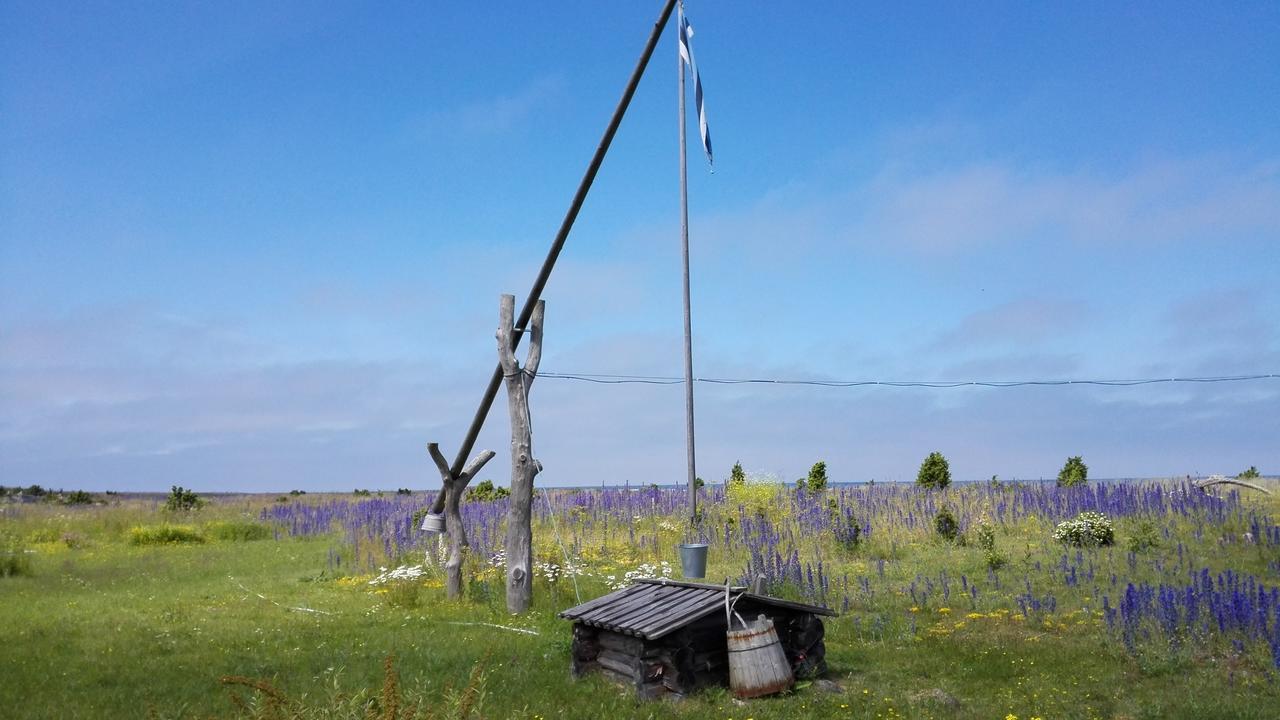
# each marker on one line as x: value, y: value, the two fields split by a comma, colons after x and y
x: 535, y: 293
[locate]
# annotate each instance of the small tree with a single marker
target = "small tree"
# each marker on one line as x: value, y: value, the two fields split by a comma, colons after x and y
x: 1250, y: 474
x: 1073, y: 472
x: 817, y: 477
x: 944, y: 523
x: 182, y: 500
x: 737, y: 476
x: 934, y: 473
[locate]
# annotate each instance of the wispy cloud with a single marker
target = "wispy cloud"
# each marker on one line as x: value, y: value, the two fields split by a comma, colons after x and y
x: 1021, y: 322
x: 971, y: 205
x: 495, y: 114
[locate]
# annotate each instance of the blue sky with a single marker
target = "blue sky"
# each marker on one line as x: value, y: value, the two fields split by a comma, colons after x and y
x: 259, y: 248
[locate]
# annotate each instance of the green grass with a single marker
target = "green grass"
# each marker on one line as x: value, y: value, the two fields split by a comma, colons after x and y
x: 107, y: 629
x: 164, y: 534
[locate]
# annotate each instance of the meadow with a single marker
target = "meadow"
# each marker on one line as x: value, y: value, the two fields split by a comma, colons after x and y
x: 332, y: 606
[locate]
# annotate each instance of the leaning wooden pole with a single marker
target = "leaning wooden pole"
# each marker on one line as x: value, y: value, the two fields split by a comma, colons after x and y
x: 557, y: 245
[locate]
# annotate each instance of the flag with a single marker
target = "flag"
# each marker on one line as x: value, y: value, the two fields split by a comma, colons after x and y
x: 686, y: 54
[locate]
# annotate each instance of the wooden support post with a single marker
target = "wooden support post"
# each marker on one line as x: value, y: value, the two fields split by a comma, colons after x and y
x: 453, y: 486
x: 524, y: 467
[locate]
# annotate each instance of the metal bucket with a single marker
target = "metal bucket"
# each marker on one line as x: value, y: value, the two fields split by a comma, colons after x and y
x: 693, y: 560
x: 757, y: 664
x: 433, y: 523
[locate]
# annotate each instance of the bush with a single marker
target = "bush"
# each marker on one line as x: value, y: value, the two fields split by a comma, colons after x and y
x: 848, y: 531
x: 1073, y: 472
x: 934, y: 473
x: 79, y: 497
x: 238, y: 531
x: 1145, y: 537
x: 164, y: 534
x: 404, y: 491
x: 361, y: 493
x: 13, y: 555
x: 486, y: 491
x: 944, y: 523
x: 182, y: 500
x: 985, y: 537
x: 817, y: 481
x: 1250, y: 474
x: 756, y: 495
x: 296, y: 493
x: 737, y: 476
x: 1088, y: 528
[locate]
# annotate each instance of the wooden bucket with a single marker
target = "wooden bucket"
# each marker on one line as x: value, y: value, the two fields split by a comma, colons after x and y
x: 757, y: 664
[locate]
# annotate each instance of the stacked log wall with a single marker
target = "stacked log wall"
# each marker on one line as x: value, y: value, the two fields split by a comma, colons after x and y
x: 692, y: 657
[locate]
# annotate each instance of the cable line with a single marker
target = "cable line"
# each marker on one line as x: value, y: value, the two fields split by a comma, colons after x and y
x: 606, y: 379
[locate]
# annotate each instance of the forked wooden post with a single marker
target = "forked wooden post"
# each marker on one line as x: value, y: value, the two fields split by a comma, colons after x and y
x: 524, y: 467
x: 452, y: 487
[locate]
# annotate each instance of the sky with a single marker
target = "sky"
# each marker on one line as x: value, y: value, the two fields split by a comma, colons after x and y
x: 259, y: 247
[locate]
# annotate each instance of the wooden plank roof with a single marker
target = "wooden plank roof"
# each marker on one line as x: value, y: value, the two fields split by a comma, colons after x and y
x: 654, y: 607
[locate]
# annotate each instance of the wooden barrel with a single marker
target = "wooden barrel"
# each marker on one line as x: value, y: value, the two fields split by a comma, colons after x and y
x: 757, y: 664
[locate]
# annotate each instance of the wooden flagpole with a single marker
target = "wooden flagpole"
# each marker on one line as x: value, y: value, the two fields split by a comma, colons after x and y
x: 688, y: 323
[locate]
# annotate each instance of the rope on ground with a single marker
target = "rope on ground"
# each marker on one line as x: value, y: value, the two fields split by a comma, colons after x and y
x: 273, y: 602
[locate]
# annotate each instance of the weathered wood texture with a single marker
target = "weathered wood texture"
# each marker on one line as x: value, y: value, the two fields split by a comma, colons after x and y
x: 524, y: 467
x: 691, y: 658
x: 757, y: 662
x: 453, y: 486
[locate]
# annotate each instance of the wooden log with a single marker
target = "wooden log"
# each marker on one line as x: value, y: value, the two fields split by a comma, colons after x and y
x: 624, y: 665
x: 524, y: 467
x: 625, y: 644
x: 621, y: 678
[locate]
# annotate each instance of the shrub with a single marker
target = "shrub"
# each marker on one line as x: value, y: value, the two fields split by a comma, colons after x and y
x: 403, y: 594
x: 164, y: 534
x: 1145, y: 537
x: 79, y: 497
x: 944, y: 523
x: 737, y: 476
x: 182, y: 500
x: 985, y: 537
x: 361, y: 493
x: 817, y: 481
x: 756, y: 495
x: 848, y: 531
x: 1088, y: 528
x: 34, y: 491
x: 13, y: 555
x: 238, y: 531
x: 296, y: 493
x: 1073, y: 472
x: 486, y: 491
x: 1250, y: 474
x: 934, y: 472
x: 404, y: 491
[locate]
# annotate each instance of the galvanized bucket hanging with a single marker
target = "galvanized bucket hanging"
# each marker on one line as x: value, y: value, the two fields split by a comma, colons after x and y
x: 433, y: 523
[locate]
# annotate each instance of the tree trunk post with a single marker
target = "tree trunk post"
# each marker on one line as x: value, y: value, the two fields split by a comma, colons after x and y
x: 452, y: 488
x: 524, y: 467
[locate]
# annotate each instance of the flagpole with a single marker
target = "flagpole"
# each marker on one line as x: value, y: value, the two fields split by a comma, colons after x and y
x: 688, y: 323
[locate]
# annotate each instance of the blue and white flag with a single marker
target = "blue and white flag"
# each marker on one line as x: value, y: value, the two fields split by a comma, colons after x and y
x: 686, y: 54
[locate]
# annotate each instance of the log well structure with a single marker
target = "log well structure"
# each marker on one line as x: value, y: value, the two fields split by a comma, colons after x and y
x: 668, y: 638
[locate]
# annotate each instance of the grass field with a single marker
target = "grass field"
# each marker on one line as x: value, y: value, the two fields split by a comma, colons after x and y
x: 126, y: 609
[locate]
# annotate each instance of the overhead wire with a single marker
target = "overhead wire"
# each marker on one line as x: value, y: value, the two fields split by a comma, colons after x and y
x: 617, y: 379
